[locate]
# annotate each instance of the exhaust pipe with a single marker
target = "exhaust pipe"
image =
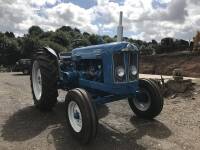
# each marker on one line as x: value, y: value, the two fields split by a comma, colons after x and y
x: 120, y: 28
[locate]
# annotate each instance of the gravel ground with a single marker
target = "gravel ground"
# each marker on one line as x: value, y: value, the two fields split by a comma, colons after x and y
x: 22, y: 127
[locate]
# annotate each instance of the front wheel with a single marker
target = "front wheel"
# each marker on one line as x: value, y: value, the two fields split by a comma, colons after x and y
x: 81, y: 115
x: 148, y: 102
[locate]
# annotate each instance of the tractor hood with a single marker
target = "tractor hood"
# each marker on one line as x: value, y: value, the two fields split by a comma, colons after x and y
x: 97, y: 51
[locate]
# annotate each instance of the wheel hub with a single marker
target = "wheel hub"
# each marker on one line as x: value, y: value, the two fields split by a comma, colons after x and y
x: 75, y: 117
x: 142, y: 101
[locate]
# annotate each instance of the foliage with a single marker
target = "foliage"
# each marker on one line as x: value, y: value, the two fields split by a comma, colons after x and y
x: 29, y: 45
x: 65, y: 29
x: 60, y: 38
x: 66, y: 38
x: 9, y: 52
x: 35, y: 31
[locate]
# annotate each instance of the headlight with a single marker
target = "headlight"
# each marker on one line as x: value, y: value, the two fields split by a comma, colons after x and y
x: 120, y: 71
x: 133, y: 70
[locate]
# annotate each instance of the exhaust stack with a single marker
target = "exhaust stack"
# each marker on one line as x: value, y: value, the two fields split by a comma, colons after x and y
x: 120, y: 28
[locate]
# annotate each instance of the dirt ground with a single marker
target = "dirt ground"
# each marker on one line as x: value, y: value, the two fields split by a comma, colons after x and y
x: 22, y: 127
x: 165, y: 64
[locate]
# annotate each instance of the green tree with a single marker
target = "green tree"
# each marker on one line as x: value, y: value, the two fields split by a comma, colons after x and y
x: 60, y: 38
x: 9, y: 52
x: 86, y: 34
x: 80, y: 43
x: 46, y: 35
x: 65, y: 29
x: 77, y: 30
x: 108, y: 39
x: 55, y: 46
x: 35, y: 31
x: 29, y: 45
x: 94, y: 39
x: 10, y: 34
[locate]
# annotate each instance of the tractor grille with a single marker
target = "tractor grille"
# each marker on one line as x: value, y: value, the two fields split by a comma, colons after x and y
x: 118, y: 59
x: 133, y: 60
x: 124, y: 60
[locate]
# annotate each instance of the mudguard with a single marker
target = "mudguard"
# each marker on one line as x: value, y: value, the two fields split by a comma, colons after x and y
x: 51, y: 51
x: 54, y: 54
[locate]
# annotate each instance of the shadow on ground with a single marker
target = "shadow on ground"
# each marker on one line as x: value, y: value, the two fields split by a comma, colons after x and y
x: 28, y: 122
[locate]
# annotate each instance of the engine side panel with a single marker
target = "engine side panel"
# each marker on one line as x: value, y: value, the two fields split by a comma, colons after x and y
x: 90, y: 69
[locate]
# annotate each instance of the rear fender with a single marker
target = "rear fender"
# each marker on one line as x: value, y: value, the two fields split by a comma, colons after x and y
x: 52, y: 52
x: 55, y: 56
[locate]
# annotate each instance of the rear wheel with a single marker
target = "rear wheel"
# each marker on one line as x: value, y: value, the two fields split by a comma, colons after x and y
x: 81, y: 115
x: 148, y: 102
x: 43, y: 78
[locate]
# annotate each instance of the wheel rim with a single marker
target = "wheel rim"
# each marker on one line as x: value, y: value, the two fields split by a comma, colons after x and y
x: 37, y: 80
x: 142, y: 100
x: 75, y: 117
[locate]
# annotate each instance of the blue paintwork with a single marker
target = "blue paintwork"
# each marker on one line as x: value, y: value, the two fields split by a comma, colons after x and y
x: 108, y: 90
x: 116, y: 89
x: 98, y: 51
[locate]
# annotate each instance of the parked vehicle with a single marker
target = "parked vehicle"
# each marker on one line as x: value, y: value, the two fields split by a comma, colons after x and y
x: 23, y: 65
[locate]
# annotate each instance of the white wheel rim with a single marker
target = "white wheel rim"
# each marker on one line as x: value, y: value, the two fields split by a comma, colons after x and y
x: 75, y: 117
x: 141, y: 104
x: 37, y: 80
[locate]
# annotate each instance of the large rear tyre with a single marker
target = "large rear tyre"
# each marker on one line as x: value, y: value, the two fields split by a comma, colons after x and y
x: 81, y: 115
x: 44, y: 78
x: 148, y: 102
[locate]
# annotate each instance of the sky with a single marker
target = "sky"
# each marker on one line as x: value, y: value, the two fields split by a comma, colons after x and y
x: 142, y: 19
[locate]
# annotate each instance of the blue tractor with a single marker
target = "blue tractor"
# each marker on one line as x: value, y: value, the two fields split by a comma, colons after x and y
x: 93, y: 75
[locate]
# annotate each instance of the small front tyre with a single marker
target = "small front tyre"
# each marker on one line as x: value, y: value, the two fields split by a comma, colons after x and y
x: 148, y: 102
x: 81, y: 115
